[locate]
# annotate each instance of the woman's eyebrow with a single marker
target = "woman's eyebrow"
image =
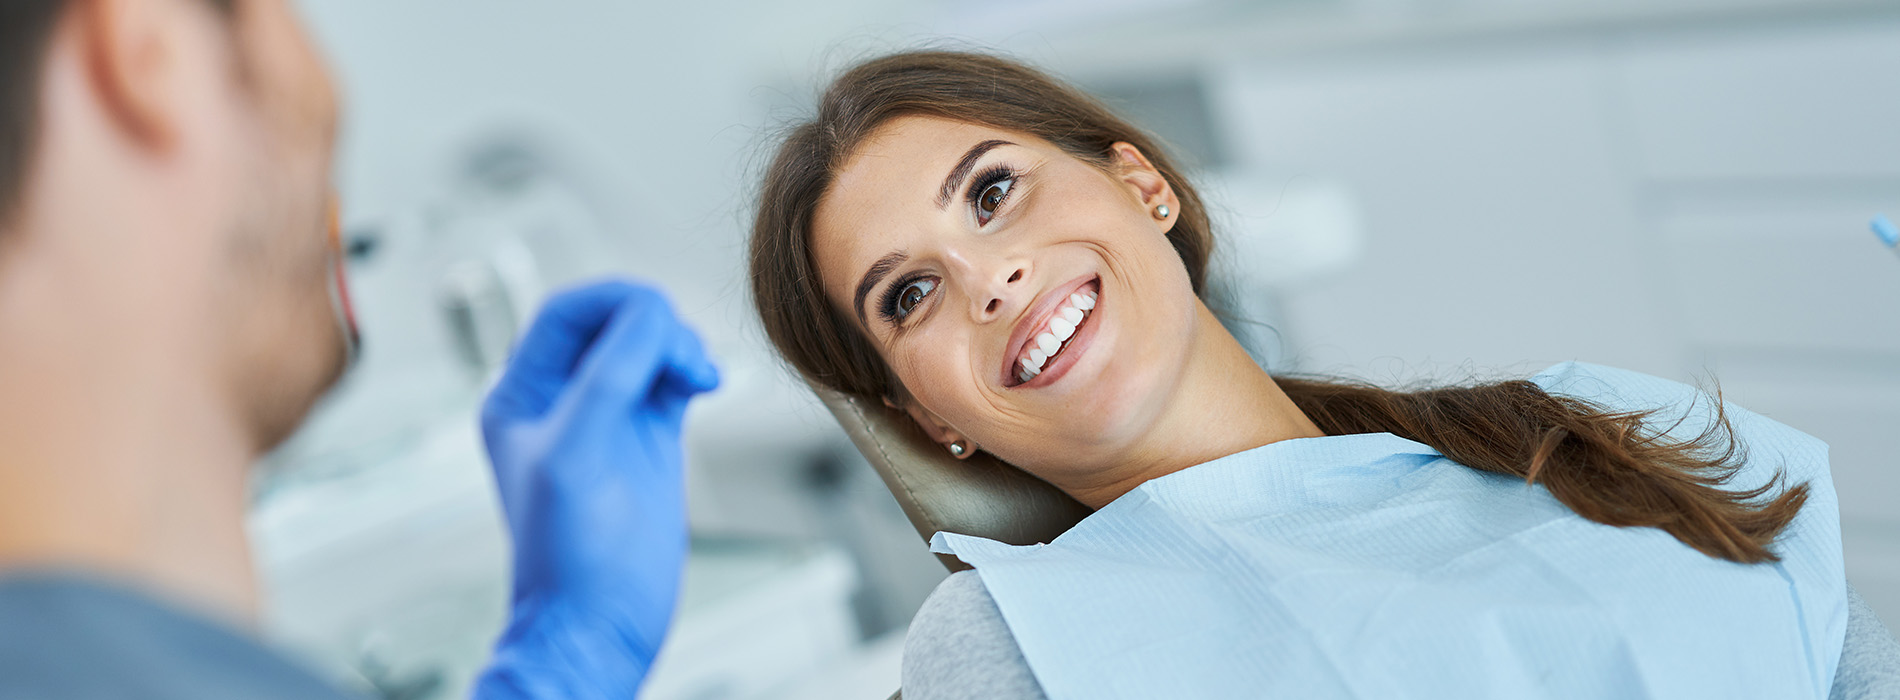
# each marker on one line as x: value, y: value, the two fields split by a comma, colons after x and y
x: 879, y: 270
x: 963, y: 169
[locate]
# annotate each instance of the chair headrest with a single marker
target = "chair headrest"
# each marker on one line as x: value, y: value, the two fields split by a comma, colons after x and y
x: 979, y: 496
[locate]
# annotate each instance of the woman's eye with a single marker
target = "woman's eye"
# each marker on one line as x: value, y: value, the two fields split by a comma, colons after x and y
x: 992, y: 198
x: 914, y: 294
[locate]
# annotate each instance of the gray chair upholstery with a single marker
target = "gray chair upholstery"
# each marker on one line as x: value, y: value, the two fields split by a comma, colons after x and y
x: 979, y: 496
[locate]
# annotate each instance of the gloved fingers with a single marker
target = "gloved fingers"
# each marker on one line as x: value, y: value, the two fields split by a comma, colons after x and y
x: 688, y: 373
x: 688, y: 369
x: 642, y: 344
x: 555, y: 343
x: 669, y: 398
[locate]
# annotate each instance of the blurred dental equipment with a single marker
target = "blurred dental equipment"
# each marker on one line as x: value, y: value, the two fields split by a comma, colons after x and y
x: 440, y: 292
x: 1889, y: 236
x: 377, y: 527
x: 386, y: 486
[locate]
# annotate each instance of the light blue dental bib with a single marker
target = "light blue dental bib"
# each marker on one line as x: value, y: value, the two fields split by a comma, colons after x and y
x: 1370, y: 566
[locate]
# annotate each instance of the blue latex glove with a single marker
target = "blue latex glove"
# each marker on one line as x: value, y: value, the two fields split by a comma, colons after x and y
x: 584, y: 433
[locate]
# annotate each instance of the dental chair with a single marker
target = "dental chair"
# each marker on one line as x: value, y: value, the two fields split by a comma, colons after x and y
x: 978, y: 496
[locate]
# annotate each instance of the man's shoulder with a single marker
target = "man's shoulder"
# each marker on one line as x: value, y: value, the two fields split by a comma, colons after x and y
x: 77, y: 637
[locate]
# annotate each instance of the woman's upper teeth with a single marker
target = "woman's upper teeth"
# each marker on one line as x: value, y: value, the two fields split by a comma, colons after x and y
x: 1048, y: 342
x: 1061, y: 327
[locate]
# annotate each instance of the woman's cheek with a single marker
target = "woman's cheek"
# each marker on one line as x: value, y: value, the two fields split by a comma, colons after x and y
x: 925, y: 367
x: 941, y: 371
x: 905, y: 364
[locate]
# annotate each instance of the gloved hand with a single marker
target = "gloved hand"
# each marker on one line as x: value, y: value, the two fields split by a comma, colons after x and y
x: 584, y: 433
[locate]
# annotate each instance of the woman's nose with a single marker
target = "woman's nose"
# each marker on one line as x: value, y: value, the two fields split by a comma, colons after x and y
x: 993, y: 279
x: 999, y: 291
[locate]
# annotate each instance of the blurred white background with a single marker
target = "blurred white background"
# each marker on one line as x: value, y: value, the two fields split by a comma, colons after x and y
x: 1416, y: 190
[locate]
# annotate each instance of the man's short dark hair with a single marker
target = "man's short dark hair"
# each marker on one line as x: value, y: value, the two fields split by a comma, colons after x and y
x: 26, y: 27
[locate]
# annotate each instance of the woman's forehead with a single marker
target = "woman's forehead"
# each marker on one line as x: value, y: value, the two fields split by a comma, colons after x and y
x: 909, y: 157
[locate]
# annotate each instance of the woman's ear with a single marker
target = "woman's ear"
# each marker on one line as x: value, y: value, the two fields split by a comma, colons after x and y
x: 1150, y: 188
x: 952, y: 441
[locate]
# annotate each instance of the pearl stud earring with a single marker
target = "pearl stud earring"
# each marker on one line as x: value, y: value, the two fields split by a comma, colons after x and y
x: 1162, y: 211
x: 957, y: 449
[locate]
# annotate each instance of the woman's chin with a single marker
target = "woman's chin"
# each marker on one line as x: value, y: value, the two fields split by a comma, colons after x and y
x: 1109, y: 403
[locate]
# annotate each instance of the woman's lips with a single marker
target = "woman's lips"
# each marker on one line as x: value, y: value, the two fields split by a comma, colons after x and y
x: 1044, y: 339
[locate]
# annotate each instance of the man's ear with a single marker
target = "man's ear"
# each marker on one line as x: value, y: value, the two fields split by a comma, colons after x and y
x: 133, y: 62
x: 1147, y: 184
x: 939, y: 432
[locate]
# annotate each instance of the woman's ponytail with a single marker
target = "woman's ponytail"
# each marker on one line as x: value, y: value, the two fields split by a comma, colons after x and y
x: 1605, y: 466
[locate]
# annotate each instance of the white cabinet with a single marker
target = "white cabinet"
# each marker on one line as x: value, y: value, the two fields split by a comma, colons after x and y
x: 1795, y: 100
x: 1499, y: 230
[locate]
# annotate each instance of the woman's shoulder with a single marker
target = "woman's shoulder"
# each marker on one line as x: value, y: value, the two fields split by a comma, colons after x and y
x: 959, y: 646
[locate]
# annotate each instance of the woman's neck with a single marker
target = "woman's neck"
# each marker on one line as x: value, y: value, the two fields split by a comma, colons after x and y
x: 1226, y: 404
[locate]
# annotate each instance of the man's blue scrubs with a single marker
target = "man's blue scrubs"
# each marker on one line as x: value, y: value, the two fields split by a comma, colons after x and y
x: 73, y: 638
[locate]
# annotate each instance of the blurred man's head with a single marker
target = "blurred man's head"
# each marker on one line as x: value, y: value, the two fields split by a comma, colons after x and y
x: 164, y: 200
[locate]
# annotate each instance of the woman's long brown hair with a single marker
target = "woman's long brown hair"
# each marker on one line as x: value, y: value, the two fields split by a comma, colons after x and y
x: 1607, y: 466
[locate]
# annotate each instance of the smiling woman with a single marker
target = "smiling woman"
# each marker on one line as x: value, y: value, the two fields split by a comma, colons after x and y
x: 980, y: 304
x: 1003, y: 259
